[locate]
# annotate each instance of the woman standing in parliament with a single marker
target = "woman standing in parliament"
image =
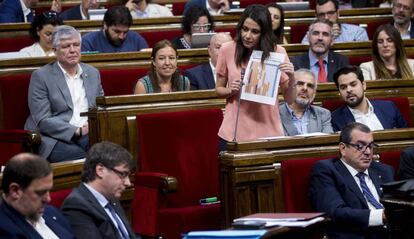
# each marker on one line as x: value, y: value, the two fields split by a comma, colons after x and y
x: 254, y: 120
x: 389, y: 59
x: 163, y: 75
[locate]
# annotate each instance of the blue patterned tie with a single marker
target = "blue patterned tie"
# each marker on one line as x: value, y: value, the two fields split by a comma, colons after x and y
x: 121, y: 229
x: 367, y: 193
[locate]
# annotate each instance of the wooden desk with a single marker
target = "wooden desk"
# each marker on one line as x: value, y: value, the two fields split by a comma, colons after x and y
x: 250, y: 171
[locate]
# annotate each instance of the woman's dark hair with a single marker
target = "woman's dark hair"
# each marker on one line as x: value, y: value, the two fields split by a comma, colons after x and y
x: 192, y: 16
x: 279, y: 32
x: 49, y: 17
x: 175, y: 78
x: 403, y: 68
x: 267, y: 41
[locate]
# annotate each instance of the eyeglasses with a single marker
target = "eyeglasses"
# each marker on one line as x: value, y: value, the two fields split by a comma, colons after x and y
x: 122, y: 175
x: 323, y: 14
x: 363, y: 147
x: 399, y: 6
x: 50, y: 14
x: 199, y: 27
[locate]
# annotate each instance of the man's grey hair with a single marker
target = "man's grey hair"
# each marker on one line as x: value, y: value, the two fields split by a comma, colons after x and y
x: 323, y: 21
x: 63, y: 32
x: 304, y: 71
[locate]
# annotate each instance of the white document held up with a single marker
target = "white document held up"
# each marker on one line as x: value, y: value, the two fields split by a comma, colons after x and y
x: 261, y: 81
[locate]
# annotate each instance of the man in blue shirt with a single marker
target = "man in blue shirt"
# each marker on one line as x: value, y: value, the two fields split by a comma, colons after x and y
x: 342, y: 32
x: 115, y: 35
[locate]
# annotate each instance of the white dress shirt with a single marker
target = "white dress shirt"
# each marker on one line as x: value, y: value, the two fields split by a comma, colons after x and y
x: 44, y: 231
x: 369, y: 119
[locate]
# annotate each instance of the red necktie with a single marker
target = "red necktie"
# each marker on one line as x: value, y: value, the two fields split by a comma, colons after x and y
x: 321, y: 73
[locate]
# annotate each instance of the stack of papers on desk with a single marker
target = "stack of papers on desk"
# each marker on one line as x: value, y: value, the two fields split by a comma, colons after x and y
x: 243, y: 234
x: 285, y: 219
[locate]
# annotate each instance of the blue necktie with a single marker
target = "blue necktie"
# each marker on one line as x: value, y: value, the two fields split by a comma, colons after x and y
x: 121, y: 229
x: 367, y: 193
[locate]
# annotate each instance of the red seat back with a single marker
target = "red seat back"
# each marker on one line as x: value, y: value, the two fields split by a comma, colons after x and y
x: 57, y: 197
x: 15, y: 43
x: 14, y: 108
x: 13, y: 142
x: 153, y: 37
x: 295, y: 180
x: 391, y: 158
x: 298, y: 31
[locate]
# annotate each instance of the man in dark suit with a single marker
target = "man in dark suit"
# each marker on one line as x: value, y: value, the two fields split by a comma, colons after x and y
x: 348, y: 189
x: 58, y: 93
x: 24, y: 213
x: 214, y: 7
x: 376, y: 114
x: 80, y: 12
x: 402, y: 11
x: 93, y: 209
x: 12, y: 11
x: 320, y: 59
x: 406, y: 170
x: 203, y: 77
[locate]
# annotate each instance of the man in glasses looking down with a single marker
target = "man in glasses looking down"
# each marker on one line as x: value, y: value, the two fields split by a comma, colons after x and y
x: 342, y: 32
x: 93, y: 209
x: 348, y: 189
x: 376, y: 114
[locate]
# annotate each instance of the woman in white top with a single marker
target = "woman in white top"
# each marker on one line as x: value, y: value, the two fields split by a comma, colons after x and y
x: 41, y: 31
x: 389, y: 59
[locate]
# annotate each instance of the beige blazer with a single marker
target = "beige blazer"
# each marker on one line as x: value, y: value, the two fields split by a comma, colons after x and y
x: 369, y: 71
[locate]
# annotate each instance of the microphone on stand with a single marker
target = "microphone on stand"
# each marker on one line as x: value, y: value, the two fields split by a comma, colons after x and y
x: 238, y: 103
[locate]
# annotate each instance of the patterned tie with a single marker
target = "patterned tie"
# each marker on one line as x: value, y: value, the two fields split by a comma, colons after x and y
x: 121, y: 229
x: 367, y: 193
x: 321, y: 73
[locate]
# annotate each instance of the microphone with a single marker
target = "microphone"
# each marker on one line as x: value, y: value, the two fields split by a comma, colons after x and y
x: 242, y: 71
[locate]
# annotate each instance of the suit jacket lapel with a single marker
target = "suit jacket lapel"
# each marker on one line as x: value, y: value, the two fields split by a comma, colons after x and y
x: 350, y: 181
x: 287, y: 121
x: 331, y: 66
x: 87, y: 85
x: 376, y: 179
x: 59, y: 78
x: 208, y: 73
x: 313, y: 125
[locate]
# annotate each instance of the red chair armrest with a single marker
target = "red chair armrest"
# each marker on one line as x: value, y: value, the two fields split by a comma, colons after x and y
x: 161, y: 181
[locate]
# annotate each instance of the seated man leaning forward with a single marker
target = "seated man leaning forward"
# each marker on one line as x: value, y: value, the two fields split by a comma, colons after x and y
x: 376, y: 114
x: 115, y: 35
x: 58, y: 93
x: 24, y: 213
x: 93, y: 209
x: 348, y: 189
x: 301, y: 117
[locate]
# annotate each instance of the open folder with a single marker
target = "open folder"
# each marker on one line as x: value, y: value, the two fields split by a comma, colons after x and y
x: 284, y: 219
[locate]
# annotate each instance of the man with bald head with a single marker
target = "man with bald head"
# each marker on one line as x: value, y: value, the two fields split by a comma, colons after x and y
x: 203, y: 77
x: 24, y: 213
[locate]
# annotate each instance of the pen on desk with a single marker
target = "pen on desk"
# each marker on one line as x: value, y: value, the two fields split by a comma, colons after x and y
x: 208, y: 200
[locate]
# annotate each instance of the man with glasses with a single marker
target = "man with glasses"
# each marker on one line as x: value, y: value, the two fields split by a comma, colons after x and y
x: 376, y: 114
x: 24, y: 213
x: 342, y: 32
x: 300, y: 116
x: 348, y: 189
x: 115, y: 35
x: 93, y: 209
x: 402, y: 11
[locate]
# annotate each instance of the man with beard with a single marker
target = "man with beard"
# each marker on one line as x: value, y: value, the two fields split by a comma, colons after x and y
x: 376, y: 114
x: 80, y: 12
x: 20, y: 10
x: 24, y: 213
x: 93, y: 209
x: 342, y: 32
x: 402, y: 11
x: 115, y: 35
x: 320, y: 59
x: 300, y: 117
x: 348, y: 189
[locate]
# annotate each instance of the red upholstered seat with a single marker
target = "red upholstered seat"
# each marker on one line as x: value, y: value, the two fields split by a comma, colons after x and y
x: 176, y: 148
x: 57, y: 197
x: 357, y: 60
x: 298, y: 31
x: 14, y: 43
x: 121, y: 81
x: 402, y: 103
x: 13, y: 100
x: 246, y: 3
x: 295, y: 180
x: 391, y: 158
x: 153, y: 37
x: 13, y: 142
